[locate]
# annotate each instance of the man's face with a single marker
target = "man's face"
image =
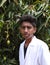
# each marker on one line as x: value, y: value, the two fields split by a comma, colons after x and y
x: 27, y: 30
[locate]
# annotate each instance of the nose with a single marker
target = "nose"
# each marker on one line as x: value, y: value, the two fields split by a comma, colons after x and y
x: 26, y: 30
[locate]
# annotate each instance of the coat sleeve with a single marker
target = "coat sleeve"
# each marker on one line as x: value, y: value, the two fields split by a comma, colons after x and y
x: 44, y: 56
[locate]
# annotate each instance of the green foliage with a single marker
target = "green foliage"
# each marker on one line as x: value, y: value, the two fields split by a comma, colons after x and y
x: 8, y: 43
x: 10, y: 13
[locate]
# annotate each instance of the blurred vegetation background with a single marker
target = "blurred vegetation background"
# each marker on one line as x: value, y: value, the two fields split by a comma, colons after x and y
x: 10, y: 13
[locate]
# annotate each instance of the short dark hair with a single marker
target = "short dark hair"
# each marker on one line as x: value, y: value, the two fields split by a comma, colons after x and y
x: 28, y: 18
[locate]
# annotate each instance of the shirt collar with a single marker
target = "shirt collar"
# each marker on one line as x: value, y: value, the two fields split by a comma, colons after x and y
x: 33, y: 42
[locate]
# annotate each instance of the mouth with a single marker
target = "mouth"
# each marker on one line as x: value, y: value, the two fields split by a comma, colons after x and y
x: 25, y: 35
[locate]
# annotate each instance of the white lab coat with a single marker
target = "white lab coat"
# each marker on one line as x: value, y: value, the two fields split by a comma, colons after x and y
x: 37, y: 53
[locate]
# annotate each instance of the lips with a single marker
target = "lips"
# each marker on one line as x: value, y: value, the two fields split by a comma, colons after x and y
x: 26, y: 35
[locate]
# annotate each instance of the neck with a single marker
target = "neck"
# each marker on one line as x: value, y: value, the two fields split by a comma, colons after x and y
x: 28, y: 41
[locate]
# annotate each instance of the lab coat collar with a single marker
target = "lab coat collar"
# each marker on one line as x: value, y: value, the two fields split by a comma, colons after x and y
x: 33, y: 42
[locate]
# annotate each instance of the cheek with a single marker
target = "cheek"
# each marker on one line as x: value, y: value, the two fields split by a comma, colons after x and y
x: 32, y: 31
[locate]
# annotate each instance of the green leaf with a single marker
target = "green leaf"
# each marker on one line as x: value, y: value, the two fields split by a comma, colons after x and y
x: 3, y: 1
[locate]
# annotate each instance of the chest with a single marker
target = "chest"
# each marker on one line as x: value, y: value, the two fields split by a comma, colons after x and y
x: 32, y: 53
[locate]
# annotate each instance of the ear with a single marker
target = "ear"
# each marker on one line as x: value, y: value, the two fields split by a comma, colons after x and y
x: 35, y: 29
x: 19, y: 29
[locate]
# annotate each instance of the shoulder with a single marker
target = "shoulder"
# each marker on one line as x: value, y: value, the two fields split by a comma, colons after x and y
x: 40, y: 43
x: 43, y: 45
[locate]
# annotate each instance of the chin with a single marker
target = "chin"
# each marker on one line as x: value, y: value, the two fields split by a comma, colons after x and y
x: 25, y: 37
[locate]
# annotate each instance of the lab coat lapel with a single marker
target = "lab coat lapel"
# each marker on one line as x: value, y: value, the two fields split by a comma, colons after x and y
x: 32, y: 44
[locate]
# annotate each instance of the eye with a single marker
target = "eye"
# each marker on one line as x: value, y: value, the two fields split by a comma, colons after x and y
x: 29, y: 27
x: 23, y: 27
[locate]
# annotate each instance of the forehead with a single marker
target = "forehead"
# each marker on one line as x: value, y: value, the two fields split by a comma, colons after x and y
x: 26, y: 23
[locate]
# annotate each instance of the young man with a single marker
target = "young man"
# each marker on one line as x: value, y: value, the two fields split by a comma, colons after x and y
x: 32, y: 51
